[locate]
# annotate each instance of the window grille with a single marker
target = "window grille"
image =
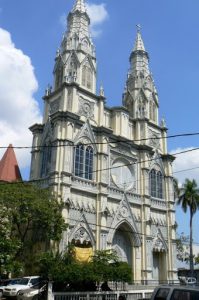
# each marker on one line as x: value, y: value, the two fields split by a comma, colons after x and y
x: 156, y: 184
x: 84, y: 161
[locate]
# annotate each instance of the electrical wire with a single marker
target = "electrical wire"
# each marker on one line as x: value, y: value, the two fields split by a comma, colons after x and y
x: 115, y: 141
x: 113, y: 167
x: 118, y: 229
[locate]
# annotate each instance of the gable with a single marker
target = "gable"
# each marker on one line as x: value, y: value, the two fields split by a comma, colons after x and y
x: 82, y: 231
x: 124, y: 215
x: 72, y: 58
x: 88, y: 60
x: 157, y: 161
x: 86, y: 135
x: 47, y: 133
x: 159, y: 244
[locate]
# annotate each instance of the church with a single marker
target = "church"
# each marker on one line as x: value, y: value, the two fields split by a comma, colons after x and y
x: 109, y: 165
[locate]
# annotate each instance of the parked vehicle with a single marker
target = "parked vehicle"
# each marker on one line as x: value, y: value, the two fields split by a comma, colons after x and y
x: 37, y: 291
x: 187, y: 280
x: 24, y: 283
x: 172, y: 292
x: 4, y: 283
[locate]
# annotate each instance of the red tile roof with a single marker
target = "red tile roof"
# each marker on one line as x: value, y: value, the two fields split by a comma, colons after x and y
x: 9, y: 169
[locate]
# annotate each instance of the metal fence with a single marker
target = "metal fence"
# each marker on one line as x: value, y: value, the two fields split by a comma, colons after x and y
x: 132, y: 295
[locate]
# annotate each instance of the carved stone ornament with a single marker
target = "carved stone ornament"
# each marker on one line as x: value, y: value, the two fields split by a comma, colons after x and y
x: 54, y: 105
x: 158, y: 244
x: 86, y: 108
x: 154, y: 140
x: 124, y: 211
x: 81, y: 235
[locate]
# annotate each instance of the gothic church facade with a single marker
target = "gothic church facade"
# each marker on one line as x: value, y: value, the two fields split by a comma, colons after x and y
x: 110, y: 166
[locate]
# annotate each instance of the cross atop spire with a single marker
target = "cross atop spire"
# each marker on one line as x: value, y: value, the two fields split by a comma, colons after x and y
x: 139, y: 44
x: 79, y: 6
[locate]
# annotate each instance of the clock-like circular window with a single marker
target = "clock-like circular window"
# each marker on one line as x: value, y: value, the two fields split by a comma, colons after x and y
x: 122, y: 174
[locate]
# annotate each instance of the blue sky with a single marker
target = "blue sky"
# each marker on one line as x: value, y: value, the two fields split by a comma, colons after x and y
x: 170, y: 34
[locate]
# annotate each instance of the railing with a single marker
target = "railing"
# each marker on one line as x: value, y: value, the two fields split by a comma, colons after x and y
x: 132, y: 295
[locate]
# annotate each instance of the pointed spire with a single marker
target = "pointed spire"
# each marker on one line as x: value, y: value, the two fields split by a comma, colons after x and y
x: 79, y: 6
x: 139, y: 44
x: 9, y: 169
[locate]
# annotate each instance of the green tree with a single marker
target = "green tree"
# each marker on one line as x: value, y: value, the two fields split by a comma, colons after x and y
x: 181, y: 242
x: 104, y: 266
x: 102, y: 262
x: 31, y: 217
x: 189, y: 200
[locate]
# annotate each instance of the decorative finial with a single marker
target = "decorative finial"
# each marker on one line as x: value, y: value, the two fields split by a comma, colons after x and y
x: 58, y: 52
x: 48, y: 90
x: 101, y: 90
x: 138, y: 27
x: 163, y: 123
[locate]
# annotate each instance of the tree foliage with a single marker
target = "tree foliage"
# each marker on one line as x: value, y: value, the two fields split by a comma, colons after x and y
x: 29, y: 217
x: 189, y: 200
x: 103, y: 267
x: 182, y: 253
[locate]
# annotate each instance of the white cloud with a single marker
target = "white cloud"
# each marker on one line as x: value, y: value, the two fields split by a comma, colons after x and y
x: 97, y: 13
x: 19, y: 109
x: 187, y: 163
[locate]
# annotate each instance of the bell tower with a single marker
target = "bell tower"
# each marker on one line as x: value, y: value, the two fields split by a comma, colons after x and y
x: 75, y: 60
x: 140, y: 96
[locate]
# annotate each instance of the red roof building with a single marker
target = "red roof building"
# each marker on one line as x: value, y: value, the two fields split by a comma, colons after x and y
x: 9, y: 168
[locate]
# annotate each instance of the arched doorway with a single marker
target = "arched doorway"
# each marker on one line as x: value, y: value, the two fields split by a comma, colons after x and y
x: 122, y: 243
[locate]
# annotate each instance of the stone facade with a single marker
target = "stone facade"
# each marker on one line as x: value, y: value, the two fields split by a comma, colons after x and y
x: 110, y: 166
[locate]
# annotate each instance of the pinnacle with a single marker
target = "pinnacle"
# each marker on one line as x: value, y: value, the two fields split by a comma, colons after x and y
x: 79, y: 6
x: 139, y: 44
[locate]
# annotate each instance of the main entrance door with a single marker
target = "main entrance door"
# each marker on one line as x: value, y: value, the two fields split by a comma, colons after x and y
x: 122, y: 245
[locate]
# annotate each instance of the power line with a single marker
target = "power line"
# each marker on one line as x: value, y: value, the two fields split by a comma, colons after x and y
x: 115, y: 141
x: 113, y: 167
x: 118, y: 229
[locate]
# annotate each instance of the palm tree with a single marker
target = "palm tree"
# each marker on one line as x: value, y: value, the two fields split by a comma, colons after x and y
x: 189, y: 200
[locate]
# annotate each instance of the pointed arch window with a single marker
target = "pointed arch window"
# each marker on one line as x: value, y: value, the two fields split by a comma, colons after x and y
x: 87, y: 76
x: 59, y: 77
x: 79, y: 160
x: 46, y: 159
x: 156, y: 184
x: 153, y: 183
x: 83, y: 161
x: 152, y: 111
x: 159, y: 185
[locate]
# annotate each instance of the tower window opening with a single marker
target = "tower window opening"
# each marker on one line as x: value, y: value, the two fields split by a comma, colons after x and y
x: 87, y: 77
x: 46, y: 159
x: 59, y: 77
x: 83, y: 164
x: 156, y: 184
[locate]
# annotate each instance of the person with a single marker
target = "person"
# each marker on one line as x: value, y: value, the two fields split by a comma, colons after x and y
x: 121, y: 297
x: 105, y: 287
